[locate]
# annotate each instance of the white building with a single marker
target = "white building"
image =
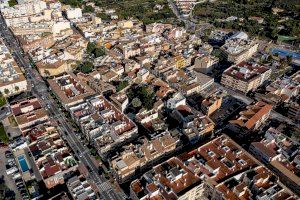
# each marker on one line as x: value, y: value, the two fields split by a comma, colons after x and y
x: 60, y: 26
x: 239, y: 48
x: 74, y: 13
x: 177, y: 100
x: 12, y: 81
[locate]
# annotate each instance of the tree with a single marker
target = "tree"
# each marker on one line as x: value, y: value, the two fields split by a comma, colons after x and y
x: 136, y: 102
x: 121, y: 85
x: 90, y: 48
x: 99, y: 52
x: 12, y: 3
x: 6, y: 91
x: 88, y: 9
x: 73, y: 3
x: 103, y: 16
x: 93, y: 50
x: 86, y: 67
x: 17, y: 88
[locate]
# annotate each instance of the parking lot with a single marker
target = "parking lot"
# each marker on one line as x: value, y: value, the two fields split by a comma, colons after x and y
x: 8, y: 179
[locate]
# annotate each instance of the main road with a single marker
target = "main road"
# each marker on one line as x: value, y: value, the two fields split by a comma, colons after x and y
x: 40, y: 90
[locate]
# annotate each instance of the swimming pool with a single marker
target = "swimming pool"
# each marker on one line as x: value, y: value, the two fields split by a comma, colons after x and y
x: 23, y: 163
x: 282, y: 52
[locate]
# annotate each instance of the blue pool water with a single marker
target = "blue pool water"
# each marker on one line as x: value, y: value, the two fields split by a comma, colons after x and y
x: 282, y: 52
x: 23, y: 163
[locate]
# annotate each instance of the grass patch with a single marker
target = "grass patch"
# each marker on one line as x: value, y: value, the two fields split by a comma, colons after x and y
x: 3, y: 136
x: 2, y: 101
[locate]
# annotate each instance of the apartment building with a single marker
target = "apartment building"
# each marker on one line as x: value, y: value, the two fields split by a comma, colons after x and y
x: 284, y: 88
x: 70, y: 90
x: 204, y: 191
x: 61, y: 57
x: 222, y: 165
x: 102, y: 123
x: 205, y: 63
x: 294, y: 110
x: 239, y: 47
x: 135, y: 157
x: 28, y: 113
x: 74, y: 13
x: 245, y: 76
x: 185, y: 6
x: 210, y: 104
x: 32, y: 42
x: 51, y: 156
x: 194, y: 125
x: 120, y: 100
x: 282, y: 153
x: 81, y: 189
x: 150, y: 118
x: 253, y: 116
x: 177, y: 100
x: 12, y: 80
x: 258, y: 183
x: 218, y: 159
x: 164, y: 181
x: 20, y: 13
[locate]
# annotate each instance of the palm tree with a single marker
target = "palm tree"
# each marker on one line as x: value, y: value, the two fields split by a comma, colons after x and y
x: 136, y: 102
x: 17, y: 88
x: 70, y: 162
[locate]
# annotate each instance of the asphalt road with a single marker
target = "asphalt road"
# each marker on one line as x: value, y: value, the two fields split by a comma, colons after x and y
x: 40, y: 90
x: 4, y: 112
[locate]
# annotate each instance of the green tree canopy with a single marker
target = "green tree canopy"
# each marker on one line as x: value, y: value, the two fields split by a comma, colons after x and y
x: 86, y: 67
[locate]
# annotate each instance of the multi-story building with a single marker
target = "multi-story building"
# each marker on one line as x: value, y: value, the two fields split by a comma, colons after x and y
x: 28, y: 113
x: 221, y: 164
x: 20, y: 14
x: 74, y: 13
x: 205, y: 63
x: 210, y: 104
x: 61, y: 57
x: 12, y: 80
x: 258, y: 183
x: 185, y: 6
x: 150, y: 118
x: 165, y: 181
x: 136, y: 157
x: 70, y: 90
x: 51, y: 156
x: 280, y: 152
x: 177, y: 100
x: 284, y: 88
x: 204, y: 191
x: 194, y: 125
x: 103, y: 124
x: 43, y: 155
x: 81, y: 189
x: 245, y: 76
x: 294, y: 111
x: 239, y: 48
x: 120, y: 100
x: 218, y: 159
x: 253, y: 116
